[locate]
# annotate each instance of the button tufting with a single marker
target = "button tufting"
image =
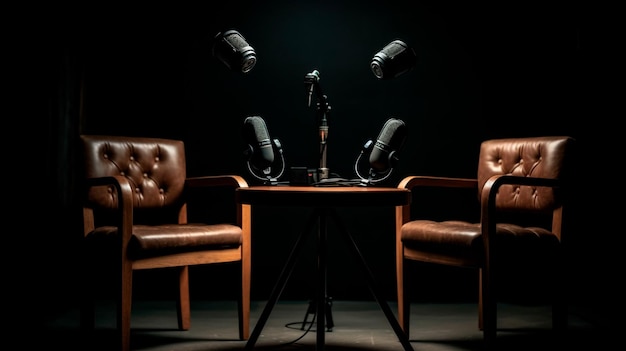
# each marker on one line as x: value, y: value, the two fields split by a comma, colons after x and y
x: 137, y: 190
x: 157, y: 158
x: 145, y: 175
x: 132, y: 158
x: 161, y: 191
x: 122, y: 173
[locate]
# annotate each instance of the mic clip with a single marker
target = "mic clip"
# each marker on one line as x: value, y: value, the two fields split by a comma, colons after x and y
x: 367, y: 147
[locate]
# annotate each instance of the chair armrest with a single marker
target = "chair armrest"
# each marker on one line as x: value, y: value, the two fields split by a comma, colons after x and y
x: 228, y: 182
x: 122, y: 187
x: 493, y: 184
x: 233, y: 181
x: 124, y: 204
x: 403, y: 213
x: 411, y: 182
x: 490, y: 190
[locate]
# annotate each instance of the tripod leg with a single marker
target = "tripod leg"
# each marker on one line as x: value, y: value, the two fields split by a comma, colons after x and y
x: 321, y: 279
x: 404, y: 339
x: 310, y: 310
x: 278, y: 287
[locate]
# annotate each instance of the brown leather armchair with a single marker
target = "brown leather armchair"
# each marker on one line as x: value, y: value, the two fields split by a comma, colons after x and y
x: 521, y: 185
x: 135, y: 213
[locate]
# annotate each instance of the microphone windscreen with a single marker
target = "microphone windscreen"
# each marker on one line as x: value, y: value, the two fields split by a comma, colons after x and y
x: 390, y: 140
x: 234, y: 51
x: 393, y: 60
x: 255, y: 133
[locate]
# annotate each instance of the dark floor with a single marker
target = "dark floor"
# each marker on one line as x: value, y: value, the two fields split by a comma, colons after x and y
x: 358, y: 325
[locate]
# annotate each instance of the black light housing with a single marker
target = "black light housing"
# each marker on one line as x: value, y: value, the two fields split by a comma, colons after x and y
x: 395, y: 59
x: 233, y: 50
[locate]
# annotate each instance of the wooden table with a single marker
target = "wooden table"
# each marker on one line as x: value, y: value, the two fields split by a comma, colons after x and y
x: 324, y: 201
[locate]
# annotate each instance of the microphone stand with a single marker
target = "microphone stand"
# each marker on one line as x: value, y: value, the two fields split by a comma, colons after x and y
x: 311, y: 80
x: 322, y: 111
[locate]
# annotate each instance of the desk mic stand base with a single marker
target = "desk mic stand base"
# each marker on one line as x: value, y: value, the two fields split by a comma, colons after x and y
x: 323, y: 173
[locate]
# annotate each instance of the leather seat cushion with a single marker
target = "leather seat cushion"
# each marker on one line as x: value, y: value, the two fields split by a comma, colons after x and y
x: 148, y: 240
x: 455, y: 237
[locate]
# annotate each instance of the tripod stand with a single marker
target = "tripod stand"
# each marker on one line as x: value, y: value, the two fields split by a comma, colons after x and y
x: 319, y: 199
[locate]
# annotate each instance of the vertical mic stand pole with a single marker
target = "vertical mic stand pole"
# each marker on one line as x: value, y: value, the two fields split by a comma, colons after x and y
x: 322, y: 304
x: 322, y: 109
x: 311, y: 81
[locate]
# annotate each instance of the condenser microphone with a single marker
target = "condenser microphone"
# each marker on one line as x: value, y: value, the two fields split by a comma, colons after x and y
x: 395, y: 59
x: 233, y: 50
x: 261, y: 151
x: 390, y: 140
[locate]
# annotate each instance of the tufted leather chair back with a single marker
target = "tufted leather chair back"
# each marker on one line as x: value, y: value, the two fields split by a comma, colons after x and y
x: 155, y: 167
x: 541, y: 157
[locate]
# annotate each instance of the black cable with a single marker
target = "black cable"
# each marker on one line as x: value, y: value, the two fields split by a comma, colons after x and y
x: 290, y: 324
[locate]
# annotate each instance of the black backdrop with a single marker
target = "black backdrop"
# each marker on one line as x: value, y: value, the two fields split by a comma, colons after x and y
x: 482, y: 72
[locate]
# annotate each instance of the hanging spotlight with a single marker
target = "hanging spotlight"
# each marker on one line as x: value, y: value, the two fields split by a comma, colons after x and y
x: 233, y: 50
x: 393, y: 60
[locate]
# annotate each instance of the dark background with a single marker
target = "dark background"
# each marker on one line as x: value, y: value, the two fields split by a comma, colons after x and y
x: 505, y: 70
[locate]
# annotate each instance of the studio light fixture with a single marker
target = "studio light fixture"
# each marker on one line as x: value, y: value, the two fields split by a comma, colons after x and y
x: 395, y: 59
x: 233, y: 50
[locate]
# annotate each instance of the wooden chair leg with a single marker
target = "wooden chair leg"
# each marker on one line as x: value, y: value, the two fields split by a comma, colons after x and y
x: 245, y: 221
x: 87, y: 293
x: 404, y: 307
x: 87, y: 304
x: 244, y: 301
x: 183, y: 306
x: 489, y: 314
x: 480, y: 300
x: 124, y: 306
x: 559, y: 302
x: 87, y: 314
